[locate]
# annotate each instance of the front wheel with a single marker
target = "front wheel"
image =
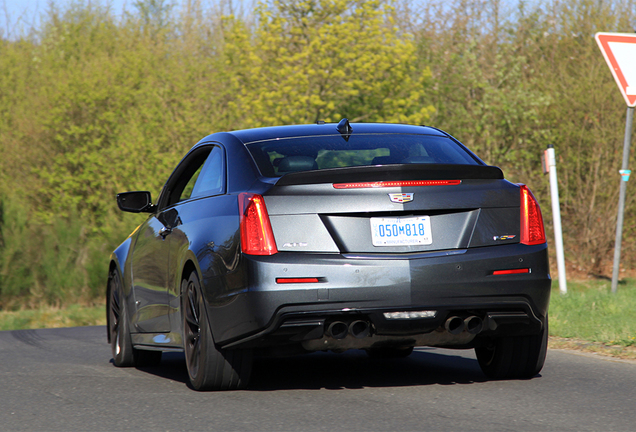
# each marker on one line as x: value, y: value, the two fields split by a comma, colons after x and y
x: 518, y: 357
x: 124, y: 354
x: 118, y: 333
x: 209, y: 367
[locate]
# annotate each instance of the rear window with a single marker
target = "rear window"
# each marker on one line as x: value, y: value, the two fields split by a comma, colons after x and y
x: 281, y: 156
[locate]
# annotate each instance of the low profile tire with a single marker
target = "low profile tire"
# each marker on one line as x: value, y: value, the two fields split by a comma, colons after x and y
x: 120, y: 342
x: 209, y: 367
x: 389, y: 352
x: 519, y: 357
x: 124, y: 355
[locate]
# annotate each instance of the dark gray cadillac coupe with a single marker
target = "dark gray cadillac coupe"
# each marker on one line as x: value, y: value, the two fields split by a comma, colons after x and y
x: 294, y: 239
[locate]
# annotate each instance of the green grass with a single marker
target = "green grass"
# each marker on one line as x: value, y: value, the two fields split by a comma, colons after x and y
x: 71, y: 316
x: 590, y: 312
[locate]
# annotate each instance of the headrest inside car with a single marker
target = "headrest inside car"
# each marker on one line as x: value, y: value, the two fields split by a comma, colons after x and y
x: 297, y: 163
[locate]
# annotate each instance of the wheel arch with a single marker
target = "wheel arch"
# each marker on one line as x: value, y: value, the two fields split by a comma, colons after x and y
x: 191, y: 265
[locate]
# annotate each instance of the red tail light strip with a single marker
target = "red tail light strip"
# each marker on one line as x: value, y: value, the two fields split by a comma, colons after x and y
x: 402, y: 183
x: 532, y: 230
x: 297, y: 280
x: 514, y: 271
x: 257, y: 237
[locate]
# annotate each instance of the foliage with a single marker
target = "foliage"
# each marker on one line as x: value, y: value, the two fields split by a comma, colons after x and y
x: 316, y: 60
x: 92, y: 104
x: 48, y: 263
x: 590, y: 312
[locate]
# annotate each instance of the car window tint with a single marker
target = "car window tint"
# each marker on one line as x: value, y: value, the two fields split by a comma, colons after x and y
x: 182, y: 181
x: 189, y: 187
x: 280, y: 156
x: 210, y: 179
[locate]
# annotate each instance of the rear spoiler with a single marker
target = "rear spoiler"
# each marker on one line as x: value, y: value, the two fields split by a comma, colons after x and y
x: 392, y: 172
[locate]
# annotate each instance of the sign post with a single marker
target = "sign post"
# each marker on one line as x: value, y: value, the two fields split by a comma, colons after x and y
x: 549, y: 167
x: 619, y: 50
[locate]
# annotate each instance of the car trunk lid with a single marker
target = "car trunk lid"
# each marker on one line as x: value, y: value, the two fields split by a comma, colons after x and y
x: 393, y: 209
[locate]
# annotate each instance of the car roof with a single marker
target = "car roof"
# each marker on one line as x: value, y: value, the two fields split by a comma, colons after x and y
x: 248, y: 136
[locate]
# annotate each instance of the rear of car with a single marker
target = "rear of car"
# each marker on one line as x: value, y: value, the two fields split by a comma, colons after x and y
x: 298, y: 239
x: 383, y: 238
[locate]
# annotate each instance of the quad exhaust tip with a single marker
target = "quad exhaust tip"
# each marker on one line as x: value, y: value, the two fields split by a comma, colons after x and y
x: 359, y: 329
x: 473, y: 324
x: 339, y: 330
x: 455, y: 325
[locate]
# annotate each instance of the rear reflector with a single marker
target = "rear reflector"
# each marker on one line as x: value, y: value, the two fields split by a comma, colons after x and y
x: 410, y: 315
x: 257, y: 237
x: 297, y: 280
x: 404, y: 183
x: 514, y: 271
x: 532, y: 230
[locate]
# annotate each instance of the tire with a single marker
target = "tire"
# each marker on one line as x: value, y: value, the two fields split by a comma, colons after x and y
x: 124, y: 355
x: 520, y: 357
x: 209, y: 367
x: 119, y: 334
x: 389, y: 352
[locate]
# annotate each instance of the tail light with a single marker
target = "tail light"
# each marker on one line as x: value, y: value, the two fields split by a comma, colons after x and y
x: 400, y: 183
x: 257, y: 237
x: 532, y: 230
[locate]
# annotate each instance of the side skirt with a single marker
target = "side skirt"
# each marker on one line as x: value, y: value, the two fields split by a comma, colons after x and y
x: 157, y: 341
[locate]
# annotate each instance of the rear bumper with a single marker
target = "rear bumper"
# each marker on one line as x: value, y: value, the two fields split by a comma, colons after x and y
x: 453, y: 283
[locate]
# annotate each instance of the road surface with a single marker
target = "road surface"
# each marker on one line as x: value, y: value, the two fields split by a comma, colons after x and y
x: 64, y: 380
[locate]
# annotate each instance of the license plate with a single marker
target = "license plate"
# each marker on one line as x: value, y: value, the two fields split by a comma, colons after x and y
x: 401, y: 231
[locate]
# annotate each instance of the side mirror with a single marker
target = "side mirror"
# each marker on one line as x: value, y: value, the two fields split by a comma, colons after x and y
x: 135, y: 202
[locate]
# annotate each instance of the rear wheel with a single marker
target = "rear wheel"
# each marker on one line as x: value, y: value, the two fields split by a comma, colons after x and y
x: 209, y: 367
x: 124, y: 355
x: 514, y: 357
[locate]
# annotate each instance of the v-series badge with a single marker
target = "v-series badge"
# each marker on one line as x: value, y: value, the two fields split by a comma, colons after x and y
x: 401, y: 198
x: 504, y: 237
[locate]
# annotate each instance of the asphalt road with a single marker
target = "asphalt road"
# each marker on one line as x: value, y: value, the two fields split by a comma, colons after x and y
x: 63, y: 379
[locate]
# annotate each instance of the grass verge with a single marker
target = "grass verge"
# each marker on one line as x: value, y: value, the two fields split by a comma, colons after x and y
x: 590, y: 318
x: 52, y: 317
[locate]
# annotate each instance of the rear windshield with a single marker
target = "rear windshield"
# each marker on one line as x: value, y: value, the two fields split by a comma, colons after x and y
x: 281, y: 156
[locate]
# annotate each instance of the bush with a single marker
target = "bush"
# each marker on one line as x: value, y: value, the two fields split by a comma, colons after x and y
x: 56, y: 263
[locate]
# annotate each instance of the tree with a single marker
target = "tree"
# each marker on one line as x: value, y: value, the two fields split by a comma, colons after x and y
x: 323, y: 60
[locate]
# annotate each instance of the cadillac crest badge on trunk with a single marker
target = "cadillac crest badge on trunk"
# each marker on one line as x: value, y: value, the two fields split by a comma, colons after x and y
x: 401, y: 198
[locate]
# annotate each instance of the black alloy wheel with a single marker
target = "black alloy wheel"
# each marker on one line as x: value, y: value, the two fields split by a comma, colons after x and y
x: 120, y: 342
x: 209, y: 367
x: 124, y: 354
x: 192, y: 328
x: 518, y: 357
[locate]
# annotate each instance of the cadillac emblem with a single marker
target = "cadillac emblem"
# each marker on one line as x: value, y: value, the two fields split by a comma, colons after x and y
x: 401, y: 198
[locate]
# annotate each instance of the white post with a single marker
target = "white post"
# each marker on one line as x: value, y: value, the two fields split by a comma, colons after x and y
x: 621, y: 198
x: 556, y: 215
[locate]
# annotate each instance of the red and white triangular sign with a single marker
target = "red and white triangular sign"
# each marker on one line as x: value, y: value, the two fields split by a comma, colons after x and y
x: 619, y: 50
